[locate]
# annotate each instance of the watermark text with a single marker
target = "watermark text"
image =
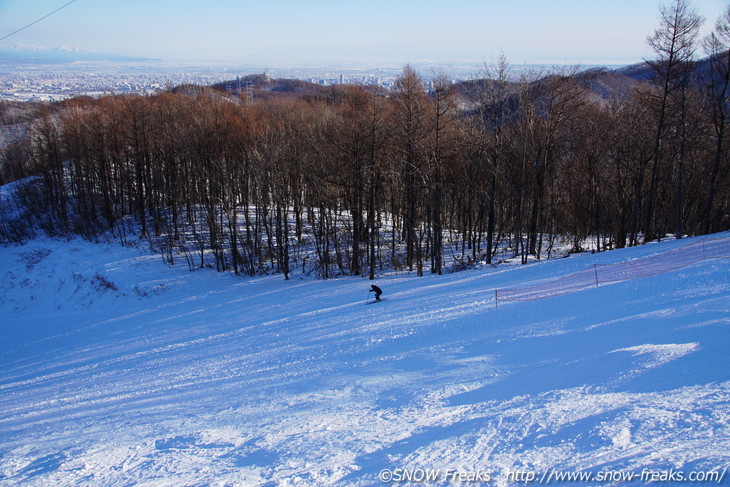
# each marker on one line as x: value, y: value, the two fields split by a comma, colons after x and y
x: 549, y: 476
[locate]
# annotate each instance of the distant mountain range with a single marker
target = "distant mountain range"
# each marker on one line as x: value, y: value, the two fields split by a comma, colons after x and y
x: 603, y: 83
x: 27, y: 55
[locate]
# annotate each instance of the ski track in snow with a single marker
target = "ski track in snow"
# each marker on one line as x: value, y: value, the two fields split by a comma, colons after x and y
x: 117, y: 370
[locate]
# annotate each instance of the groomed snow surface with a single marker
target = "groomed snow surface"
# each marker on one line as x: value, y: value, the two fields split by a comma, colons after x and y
x: 118, y: 370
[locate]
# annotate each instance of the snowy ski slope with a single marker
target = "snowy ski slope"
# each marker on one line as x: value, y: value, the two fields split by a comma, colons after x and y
x: 117, y: 370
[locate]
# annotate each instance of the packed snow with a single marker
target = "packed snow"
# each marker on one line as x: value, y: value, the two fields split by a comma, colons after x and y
x: 117, y: 370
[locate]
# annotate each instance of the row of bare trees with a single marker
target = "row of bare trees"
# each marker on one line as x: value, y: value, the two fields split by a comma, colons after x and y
x: 352, y: 182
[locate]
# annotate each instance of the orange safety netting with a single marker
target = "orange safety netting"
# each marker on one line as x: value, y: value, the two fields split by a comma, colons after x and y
x: 706, y: 248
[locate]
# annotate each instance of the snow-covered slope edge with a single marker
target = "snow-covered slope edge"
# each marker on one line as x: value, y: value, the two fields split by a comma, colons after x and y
x: 117, y: 370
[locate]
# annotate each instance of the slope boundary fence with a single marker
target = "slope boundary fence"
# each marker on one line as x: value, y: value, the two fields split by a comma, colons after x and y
x: 704, y: 249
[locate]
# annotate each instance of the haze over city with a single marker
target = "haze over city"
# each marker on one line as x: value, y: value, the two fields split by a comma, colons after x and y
x: 321, y: 32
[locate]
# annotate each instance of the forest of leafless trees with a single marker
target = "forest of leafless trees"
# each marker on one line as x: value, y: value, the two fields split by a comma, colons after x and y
x: 370, y: 181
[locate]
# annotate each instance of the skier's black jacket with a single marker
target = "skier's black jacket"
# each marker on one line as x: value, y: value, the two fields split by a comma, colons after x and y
x: 376, y: 290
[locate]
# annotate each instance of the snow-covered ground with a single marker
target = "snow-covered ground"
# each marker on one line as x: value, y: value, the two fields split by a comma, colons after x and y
x: 118, y: 370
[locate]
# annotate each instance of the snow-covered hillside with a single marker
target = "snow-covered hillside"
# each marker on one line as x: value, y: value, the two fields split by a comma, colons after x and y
x: 118, y: 370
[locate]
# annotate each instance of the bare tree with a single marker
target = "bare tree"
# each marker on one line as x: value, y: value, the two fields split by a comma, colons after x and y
x: 492, y: 99
x: 674, y: 43
x: 441, y: 150
x: 409, y: 101
x: 717, y: 46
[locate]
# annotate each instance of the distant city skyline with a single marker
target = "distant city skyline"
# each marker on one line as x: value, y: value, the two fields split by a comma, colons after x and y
x: 325, y: 32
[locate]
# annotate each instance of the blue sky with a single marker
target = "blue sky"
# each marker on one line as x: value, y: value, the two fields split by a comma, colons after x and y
x: 319, y: 32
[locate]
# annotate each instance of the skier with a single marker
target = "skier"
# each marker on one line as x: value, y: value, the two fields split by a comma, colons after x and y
x: 375, y: 289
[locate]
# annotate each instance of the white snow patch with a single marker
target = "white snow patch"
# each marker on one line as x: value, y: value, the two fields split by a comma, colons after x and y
x: 661, y: 354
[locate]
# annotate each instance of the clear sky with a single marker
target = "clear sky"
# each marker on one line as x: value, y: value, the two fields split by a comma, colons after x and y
x: 324, y: 31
